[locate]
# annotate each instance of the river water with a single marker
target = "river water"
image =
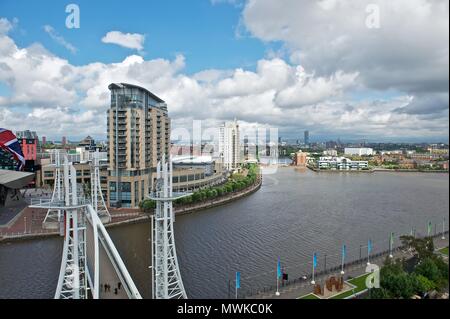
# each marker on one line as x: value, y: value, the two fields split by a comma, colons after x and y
x: 294, y: 214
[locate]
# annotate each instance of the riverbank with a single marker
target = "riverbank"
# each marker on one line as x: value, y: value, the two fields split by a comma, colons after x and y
x: 301, y: 287
x: 314, y: 169
x: 387, y: 170
x: 23, y: 230
x: 376, y: 170
x: 189, y: 209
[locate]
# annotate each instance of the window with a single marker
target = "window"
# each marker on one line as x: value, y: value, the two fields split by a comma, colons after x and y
x: 48, y: 174
x: 136, y: 191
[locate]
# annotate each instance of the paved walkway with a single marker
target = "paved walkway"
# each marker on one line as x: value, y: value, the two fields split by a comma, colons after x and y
x: 109, y: 276
x: 294, y: 291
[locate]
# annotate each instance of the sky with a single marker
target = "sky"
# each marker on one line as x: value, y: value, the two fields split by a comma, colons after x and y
x: 374, y: 70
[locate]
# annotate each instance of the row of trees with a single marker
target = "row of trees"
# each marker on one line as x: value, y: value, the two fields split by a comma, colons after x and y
x: 235, y: 183
x: 429, y: 272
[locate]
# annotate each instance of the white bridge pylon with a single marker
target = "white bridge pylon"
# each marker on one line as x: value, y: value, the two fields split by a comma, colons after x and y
x: 53, y: 218
x: 77, y: 279
x: 98, y: 202
x: 166, y: 277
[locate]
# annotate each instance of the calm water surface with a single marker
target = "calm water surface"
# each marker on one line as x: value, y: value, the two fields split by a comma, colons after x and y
x: 294, y: 214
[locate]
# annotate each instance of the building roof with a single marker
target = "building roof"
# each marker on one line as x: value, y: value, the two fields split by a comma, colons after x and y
x: 192, y: 160
x: 27, y: 134
x: 15, y: 179
x: 123, y: 85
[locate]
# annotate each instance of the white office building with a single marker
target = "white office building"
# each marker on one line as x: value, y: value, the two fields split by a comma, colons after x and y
x: 229, y: 145
x: 359, y: 151
x: 330, y: 152
x: 341, y: 163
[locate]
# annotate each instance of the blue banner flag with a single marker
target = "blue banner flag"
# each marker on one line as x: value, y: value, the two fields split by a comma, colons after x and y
x: 315, y: 260
x: 238, y: 280
x: 369, y: 246
x: 279, y: 274
x: 344, y: 251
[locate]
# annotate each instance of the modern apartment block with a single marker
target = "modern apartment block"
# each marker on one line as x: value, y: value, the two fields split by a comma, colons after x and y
x: 138, y: 129
x: 341, y: 163
x: 358, y: 151
x: 229, y: 145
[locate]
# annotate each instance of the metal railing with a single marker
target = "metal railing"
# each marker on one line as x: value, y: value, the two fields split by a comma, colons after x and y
x: 301, y: 282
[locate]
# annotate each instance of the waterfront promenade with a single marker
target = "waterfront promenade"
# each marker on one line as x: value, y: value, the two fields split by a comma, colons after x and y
x: 27, y: 224
x: 301, y: 287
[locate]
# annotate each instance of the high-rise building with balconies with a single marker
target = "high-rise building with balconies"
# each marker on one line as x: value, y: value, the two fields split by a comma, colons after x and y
x: 138, y: 128
x: 229, y: 145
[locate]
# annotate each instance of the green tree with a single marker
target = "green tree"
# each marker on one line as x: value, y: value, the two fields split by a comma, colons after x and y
x: 380, y: 293
x: 147, y: 206
x: 428, y: 269
x: 423, y: 247
x: 422, y: 284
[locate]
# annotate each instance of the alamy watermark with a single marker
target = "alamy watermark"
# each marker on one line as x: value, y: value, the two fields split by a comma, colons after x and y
x: 255, y: 144
x: 373, y: 279
x: 373, y: 19
x: 73, y: 19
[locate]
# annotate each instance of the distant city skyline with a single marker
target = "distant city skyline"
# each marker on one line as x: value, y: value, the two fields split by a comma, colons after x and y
x: 220, y: 59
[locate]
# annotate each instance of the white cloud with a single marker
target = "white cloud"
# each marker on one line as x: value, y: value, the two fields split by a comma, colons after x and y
x: 309, y: 90
x: 409, y: 52
x: 126, y: 40
x: 54, y: 97
x: 5, y: 26
x: 59, y: 39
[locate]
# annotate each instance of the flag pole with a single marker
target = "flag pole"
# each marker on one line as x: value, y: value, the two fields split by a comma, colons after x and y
x: 391, y: 242
x: 343, y: 259
x: 313, y: 282
x: 278, y: 277
x: 238, y: 283
x: 369, y: 248
x: 443, y: 229
x: 277, y: 293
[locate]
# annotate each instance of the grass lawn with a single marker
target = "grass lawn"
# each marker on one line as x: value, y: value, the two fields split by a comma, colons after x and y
x: 444, y: 251
x: 310, y: 296
x: 359, y: 282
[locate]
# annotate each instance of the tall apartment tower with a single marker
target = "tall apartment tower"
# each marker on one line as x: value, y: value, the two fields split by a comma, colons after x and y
x: 306, y: 137
x: 138, y: 128
x: 229, y: 145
